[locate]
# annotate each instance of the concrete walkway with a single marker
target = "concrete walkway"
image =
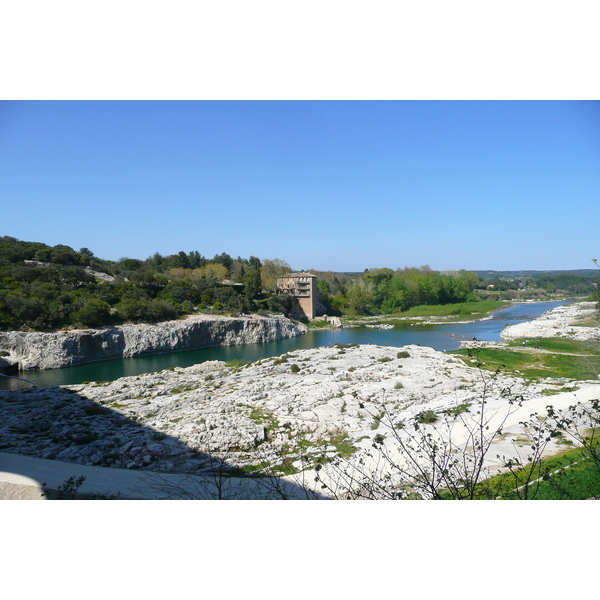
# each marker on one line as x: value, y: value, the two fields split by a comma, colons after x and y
x: 26, y: 477
x: 29, y: 478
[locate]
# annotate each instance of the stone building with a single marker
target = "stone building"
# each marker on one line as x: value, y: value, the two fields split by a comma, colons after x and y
x: 303, y: 287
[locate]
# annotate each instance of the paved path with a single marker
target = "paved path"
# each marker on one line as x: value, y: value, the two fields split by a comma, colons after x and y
x: 26, y: 477
x: 30, y: 478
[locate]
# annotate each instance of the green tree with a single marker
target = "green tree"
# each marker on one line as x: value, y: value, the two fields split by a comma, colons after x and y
x: 270, y: 270
x: 360, y: 297
x: 252, y: 279
x: 94, y: 313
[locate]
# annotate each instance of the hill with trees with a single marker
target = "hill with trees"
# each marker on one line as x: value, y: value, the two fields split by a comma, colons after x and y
x: 45, y: 288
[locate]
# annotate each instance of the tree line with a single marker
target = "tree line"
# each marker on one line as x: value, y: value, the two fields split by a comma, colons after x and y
x: 62, y: 293
x: 65, y: 293
x: 385, y: 291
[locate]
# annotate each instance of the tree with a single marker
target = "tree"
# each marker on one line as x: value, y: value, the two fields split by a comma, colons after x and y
x: 360, y: 297
x: 252, y: 280
x: 181, y: 260
x: 128, y: 264
x: 225, y: 260
x: 270, y: 270
x: 94, y: 313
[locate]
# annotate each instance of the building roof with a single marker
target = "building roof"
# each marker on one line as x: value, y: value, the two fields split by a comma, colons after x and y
x: 297, y: 275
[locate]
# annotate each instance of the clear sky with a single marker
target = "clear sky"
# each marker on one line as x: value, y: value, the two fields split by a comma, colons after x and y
x: 330, y: 185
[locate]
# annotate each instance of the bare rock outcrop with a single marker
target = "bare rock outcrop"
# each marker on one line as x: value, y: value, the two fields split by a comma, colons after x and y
x: 289, y: 409
x: 66, y: 348
x: 564, y: 321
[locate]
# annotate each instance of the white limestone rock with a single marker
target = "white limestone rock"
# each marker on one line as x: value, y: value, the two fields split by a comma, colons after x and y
x: 558, y: 322
x: 54, y: 350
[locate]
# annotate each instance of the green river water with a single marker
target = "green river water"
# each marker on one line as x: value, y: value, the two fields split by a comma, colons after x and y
x: 440, y: 337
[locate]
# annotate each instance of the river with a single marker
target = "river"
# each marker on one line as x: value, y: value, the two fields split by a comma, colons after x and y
x: 440, y: 337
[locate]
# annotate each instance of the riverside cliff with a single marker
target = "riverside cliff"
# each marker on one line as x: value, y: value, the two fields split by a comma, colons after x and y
x: 66, y: 348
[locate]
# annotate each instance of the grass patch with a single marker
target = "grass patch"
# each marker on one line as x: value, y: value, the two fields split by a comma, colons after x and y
x: 458, y: 410
x: 534, y: 365
x: 377, y: 420
x: 464, y: 310
x: 183, y: 388
x: 570, y: 475
x: 236, y: 363
x: 261, y: 417
x: 343, y: 445
x: 558, y: 345
x: 566, y: 388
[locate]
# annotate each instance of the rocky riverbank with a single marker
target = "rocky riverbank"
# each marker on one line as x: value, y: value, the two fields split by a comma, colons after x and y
x: 290, y: 412
x: 66, y: 348
x: 564, y: 321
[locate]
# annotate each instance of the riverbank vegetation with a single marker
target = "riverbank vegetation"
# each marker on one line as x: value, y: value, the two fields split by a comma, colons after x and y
x: 422, y: 291
x: 464, y: 311
x: 45, y: 288
x: 569, y: 475
x: 384, y: 291
x: 539, y: 358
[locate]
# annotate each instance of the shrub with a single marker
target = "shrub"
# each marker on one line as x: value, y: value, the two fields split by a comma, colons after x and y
x: 294, y: 368
x: 93, y: 313
x: 236, y: 363
x: 68, y: 490
x: 457, y: 410
x: 426, y: 416
x: 403, y: 354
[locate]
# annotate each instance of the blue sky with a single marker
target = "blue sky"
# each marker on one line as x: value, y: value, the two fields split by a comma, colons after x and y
x: 329, y: 185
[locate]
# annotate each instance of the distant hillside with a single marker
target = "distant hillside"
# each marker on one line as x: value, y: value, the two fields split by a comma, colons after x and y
x: 585, y: 273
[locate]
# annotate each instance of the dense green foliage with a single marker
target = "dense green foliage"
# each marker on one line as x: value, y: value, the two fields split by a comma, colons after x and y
x: 384, y: 291
x: 61, y: 293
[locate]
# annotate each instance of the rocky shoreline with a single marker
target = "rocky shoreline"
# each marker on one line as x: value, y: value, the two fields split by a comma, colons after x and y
x: 291, y: 409
x: 563, y: 321
x: 66, y: 348
x: 291, y: 413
